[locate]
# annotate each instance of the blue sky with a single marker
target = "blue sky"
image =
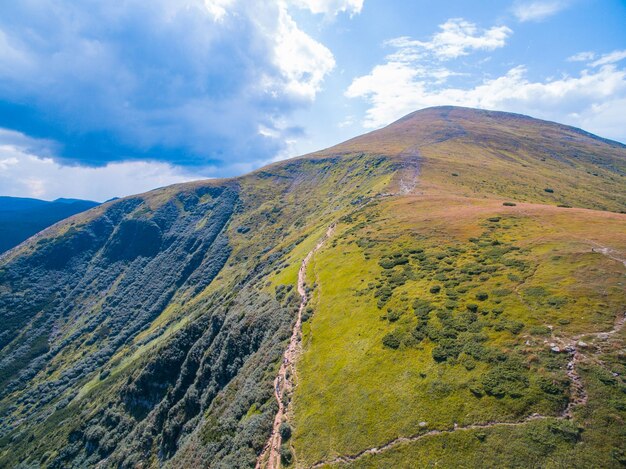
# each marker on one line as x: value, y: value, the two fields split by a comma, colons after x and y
x: 103, y: 99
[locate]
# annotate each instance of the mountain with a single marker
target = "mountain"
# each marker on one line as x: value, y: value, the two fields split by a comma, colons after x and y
x: 20, y: 218
x: 448, y: 290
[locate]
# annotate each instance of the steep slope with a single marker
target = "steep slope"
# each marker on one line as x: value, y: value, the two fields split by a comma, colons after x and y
x: 150, y: 330
x: 21, y: 218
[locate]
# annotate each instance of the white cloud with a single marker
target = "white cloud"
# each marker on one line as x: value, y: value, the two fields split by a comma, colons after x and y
x: 591, y: 100
x: 585, y: 56
x: 331, y: 7
x: 187, y: 80
x: 218, y: 8
x: 25, y: 174
x: 303, y: 61
x: 413, y: 78
x: 538, y: 10
x: 611, y: 57
x: 457, y: 37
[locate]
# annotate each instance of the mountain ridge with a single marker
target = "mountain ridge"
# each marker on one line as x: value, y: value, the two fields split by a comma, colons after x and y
x: 21, y: 218
x: 150, y: 329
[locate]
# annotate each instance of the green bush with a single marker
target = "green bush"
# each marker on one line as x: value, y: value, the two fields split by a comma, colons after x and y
x: 286, y: 456
x: 481, y: 296
x: 514, y: 327
x: 507, y: 378
x: 285, y: 431
x: 393, y: 315
x: 391, y: 340
x: 552, y: 386
x: 468, y: 362
x: 435, y: 289
x: 475, y: 388
x: 540, y: 330
x: 446, y: 349
x: 475, y: 350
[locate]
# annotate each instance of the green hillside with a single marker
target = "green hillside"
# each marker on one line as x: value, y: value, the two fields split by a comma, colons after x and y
x: 464, y: 309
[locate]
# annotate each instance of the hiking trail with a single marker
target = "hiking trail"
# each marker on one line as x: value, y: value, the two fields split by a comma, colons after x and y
x: 283, y: 384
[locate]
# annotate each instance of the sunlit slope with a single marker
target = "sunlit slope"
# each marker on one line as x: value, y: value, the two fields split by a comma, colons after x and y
x: 435, y: 313
x: 148, y: 331
x: 495, y: 154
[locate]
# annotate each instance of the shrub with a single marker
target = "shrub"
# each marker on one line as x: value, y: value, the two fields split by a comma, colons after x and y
x: 509, y: 204
x: 475, y: 388
x: 286, y: 456
x: 392, y: 261
x: 392, y: 315
x: 440, y: 389
x: 552, y: 386
x: 446, y: 349
x: 475, y: 350
x: 391, y: 340
x: 514, y: 327
x: 506, y: 378
x: 418, y: 334
x: 481, y: 296
x: 435, y: 289
x: 468, y: 362
x: 285, y: 431
x: 549, y: 190
x: 540, y: 330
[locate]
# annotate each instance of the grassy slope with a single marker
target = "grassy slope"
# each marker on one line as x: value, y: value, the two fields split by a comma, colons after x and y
x: 281, y: 210
x: 355, y: 393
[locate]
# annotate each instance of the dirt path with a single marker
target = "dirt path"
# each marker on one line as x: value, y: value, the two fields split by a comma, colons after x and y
x: 606, y: 251
x: 283, y: 384
x: 579, y: 397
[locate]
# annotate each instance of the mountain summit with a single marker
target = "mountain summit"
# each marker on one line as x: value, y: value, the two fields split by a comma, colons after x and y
x: 448, y: 288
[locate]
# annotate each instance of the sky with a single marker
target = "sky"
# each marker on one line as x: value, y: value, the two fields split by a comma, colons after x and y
x: 105, y: 99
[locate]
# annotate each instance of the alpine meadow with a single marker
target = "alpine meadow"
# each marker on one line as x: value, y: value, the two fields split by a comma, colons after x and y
x: 445, y: 291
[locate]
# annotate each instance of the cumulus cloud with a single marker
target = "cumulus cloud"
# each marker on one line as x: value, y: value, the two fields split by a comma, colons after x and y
x: 188, y: 82
x: 538, y: 10
x: 303, y: 61
x: 331, y: 7
x: 24, y: 173
x: 457, y: 37
x: 591, y: 99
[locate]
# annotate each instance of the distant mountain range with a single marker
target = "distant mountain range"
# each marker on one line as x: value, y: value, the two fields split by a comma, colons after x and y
x: 448, y: 291
x: 20, y: 218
